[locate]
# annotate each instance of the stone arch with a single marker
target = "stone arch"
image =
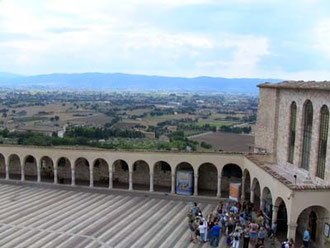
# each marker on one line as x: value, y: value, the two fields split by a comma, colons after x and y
x: 207, y: 179
x: 256, y: 194
x: 184, y: 178
x: 30, y: 168
x: 64, y: 172
x: 267, y: 205
x: 247, y: 184
x: 281, y: 218
x: 46, y: 169
x: 162, y: 176
x: 2, y: 166
x: 231, y: 173
x: 120, y: 171
x: 101, y: 173
x: 82, y: 171
x: 14, y: 167
x: 313, y: 217
x: 141, y: 175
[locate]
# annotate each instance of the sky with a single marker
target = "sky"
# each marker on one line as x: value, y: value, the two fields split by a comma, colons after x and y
x: 284, y: 39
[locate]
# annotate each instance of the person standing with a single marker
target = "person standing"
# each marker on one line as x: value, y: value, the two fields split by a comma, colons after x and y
x: 306, y: 238
x: 215, y: 235
x: 246, y: 237
x: 236, y: 238
x: 205, y: 229
x: 201, y: 229
x: 261, y: 235
x: 291, y: 243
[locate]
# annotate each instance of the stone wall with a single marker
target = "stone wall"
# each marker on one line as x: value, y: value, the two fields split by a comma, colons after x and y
x: 265, y: 130
x: 272, y: 128
x: 101, y: 171
x: 120, y: 173
x: 15, y: 166
x: 207, y: 177
x: 30, y: 169
x: 318, y: 99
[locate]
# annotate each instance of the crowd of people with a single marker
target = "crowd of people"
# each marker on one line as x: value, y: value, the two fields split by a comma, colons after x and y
x: 237, y: 222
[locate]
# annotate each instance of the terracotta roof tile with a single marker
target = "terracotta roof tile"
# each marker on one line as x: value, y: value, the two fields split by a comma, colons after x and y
x: 289, y: 184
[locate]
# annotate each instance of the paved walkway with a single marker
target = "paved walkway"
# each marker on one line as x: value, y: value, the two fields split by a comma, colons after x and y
x: 54, y: 217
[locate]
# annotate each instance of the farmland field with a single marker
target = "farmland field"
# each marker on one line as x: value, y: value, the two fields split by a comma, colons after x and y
x: 227, y: 141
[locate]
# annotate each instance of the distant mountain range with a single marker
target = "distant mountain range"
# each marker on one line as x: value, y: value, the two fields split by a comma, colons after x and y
x: 121, y: 81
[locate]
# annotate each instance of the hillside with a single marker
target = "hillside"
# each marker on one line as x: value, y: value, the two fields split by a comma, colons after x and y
x: 120, y: 81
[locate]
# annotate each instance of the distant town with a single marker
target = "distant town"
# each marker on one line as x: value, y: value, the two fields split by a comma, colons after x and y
x: 128, y: 120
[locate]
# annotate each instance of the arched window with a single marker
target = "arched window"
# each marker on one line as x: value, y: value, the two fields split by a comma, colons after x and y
x: 307, y: 134
x: 292, y: 131
x: 323, y: 140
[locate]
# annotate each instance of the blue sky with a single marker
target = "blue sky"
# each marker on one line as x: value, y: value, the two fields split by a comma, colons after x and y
x: 229, y: 38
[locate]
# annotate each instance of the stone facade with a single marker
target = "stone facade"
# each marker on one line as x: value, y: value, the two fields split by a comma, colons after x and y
x: 272, y: 129
x: 273, y: 136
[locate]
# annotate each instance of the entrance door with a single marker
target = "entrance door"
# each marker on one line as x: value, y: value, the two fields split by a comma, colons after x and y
x: 313, y: 225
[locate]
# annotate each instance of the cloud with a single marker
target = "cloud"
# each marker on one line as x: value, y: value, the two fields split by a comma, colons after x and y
x: 247, y: 52
x: 322, y: 36
x: 183, y: 38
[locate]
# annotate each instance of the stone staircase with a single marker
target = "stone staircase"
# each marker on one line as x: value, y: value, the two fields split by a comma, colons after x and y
x: 46, y: 217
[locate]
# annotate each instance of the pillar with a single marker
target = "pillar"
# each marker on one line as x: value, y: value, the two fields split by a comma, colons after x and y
x: 130, y: 181
x: 252, y: 196
x: 73, y: 176
x: 172, y: 183
x: 22, y: 173
x: 38, y: 171
x: 151, y: 182
x: 219, y: 187
x: 7, y: 170
x: 292, y: 227
x: 243, y: 189
x: 274, y: 216
x: 91, y: 177
x: 55, y: 175
x: 196, y: 184
x: 110, y: 180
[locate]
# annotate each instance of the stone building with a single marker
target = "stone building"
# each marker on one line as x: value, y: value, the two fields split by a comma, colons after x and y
x: 292, y: 126
x: 287, y: 176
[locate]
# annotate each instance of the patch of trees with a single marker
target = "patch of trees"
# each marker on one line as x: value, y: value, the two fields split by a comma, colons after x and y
x: 160, y: 112
x: 206, y: 145
x: 205, y: 127
x: 181, y: 142
x: 102, y: 133
x: 250, y: 119
x: 112, y: 122
x: 231, y: 129
x: 176, y: 122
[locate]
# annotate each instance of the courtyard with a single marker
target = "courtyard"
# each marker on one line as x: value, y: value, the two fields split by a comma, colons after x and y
x: 33, y: 216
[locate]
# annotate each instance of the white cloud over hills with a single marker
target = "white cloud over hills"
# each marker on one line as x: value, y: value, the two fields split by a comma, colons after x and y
x: 241, y: 38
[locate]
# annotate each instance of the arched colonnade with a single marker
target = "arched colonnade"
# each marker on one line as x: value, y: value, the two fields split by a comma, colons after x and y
x: 208, y: 178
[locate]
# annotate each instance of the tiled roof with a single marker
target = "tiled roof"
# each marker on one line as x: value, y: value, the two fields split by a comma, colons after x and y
x: 304, y: 85
x: 290, y: 184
